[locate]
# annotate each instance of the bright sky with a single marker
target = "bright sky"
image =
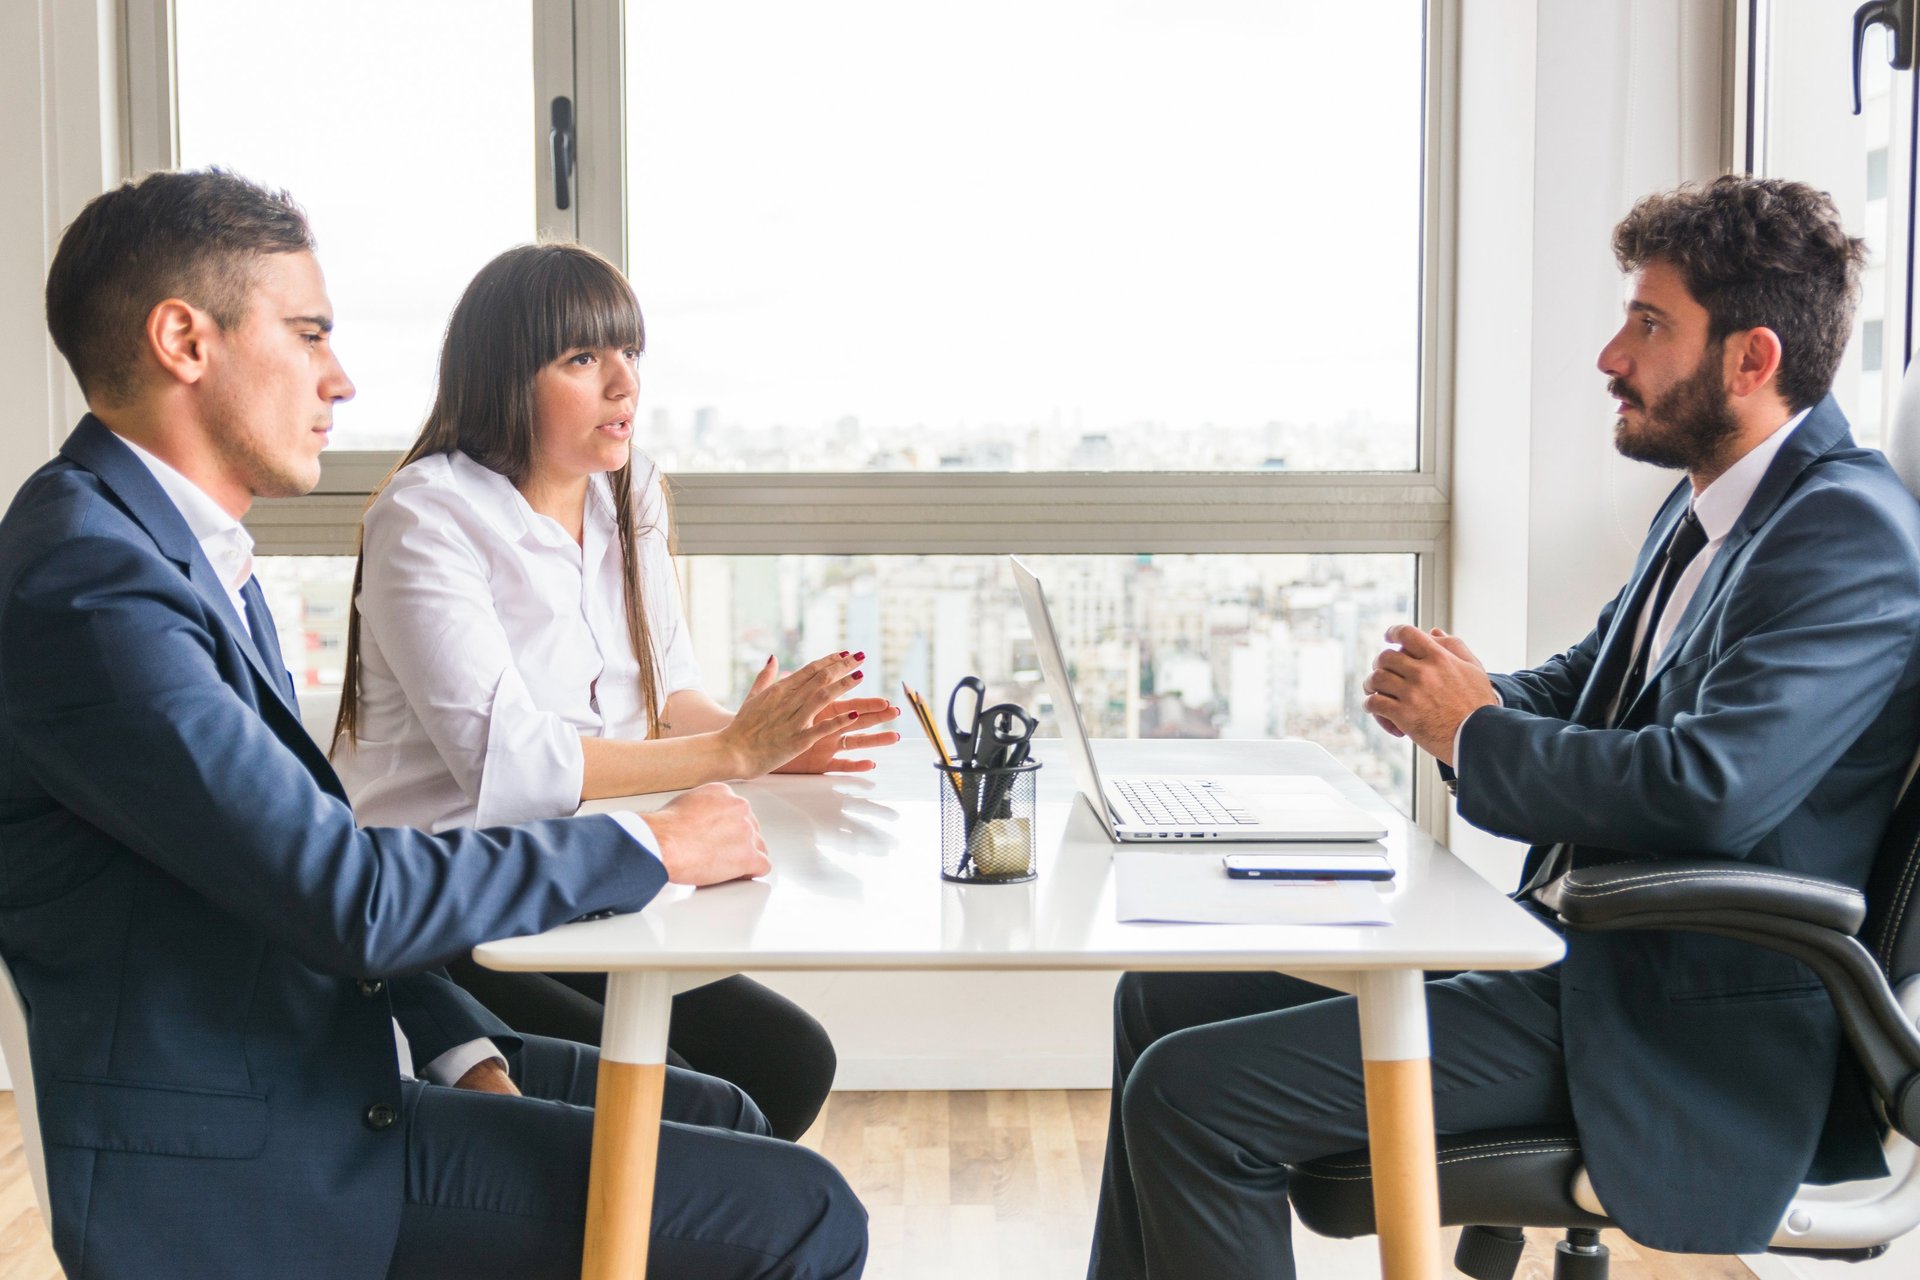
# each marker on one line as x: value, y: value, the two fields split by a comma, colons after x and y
x: 1189, y: 211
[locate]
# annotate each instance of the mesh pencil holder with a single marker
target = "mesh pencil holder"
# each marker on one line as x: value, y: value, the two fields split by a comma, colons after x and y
x: 987, y: 824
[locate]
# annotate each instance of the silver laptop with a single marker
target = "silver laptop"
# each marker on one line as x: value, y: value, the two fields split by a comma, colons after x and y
x: 1180, y: 806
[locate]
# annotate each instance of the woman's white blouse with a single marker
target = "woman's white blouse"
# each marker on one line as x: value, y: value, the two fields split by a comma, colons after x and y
x: 490, y: 642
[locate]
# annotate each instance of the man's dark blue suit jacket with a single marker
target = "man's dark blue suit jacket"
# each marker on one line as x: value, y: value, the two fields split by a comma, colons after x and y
x: 1776, y: 727
x: 209, y: 949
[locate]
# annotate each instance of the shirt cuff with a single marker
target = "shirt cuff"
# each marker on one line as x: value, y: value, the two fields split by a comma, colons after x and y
x: 462, y: 1058
x: 634, y: 825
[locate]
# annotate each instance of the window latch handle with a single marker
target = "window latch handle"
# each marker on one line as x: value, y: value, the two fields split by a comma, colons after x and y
x: 1901, y: 18
x: 560, y: 142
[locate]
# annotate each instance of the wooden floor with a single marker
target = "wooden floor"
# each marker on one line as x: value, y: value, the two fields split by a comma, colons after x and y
x: 985, y: 1186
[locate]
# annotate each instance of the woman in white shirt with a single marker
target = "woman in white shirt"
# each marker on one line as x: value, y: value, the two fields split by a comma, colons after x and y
x: 517, y: 645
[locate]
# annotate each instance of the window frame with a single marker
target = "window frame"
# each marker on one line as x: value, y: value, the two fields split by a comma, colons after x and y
x: 579, y: 51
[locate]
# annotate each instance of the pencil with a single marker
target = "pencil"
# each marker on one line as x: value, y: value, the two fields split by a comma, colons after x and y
x: 925, y: 718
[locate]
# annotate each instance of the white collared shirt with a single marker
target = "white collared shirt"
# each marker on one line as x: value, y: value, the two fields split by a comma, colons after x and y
x: 229, y: 548
x: 1718, y: 508
x: 224, y: 540
x: 490, y: 642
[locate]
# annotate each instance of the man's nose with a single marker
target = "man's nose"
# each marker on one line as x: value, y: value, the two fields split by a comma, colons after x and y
x: 1613, y: 361
x: 339, y: 387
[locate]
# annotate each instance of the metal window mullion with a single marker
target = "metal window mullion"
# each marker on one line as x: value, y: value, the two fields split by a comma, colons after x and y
x: 1749, y: 87
x: 1439, y: 198
x: 553, y: 77
x: 600, y: 105
x: 1433, y: 586
x: 150, y: 134
x: 979, y: 513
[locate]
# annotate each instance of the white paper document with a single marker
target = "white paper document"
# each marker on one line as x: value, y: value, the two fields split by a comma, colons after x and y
x: 1190, y: 888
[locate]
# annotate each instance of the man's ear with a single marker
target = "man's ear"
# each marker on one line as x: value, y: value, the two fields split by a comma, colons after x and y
x: 1752, y: 359
x: 178, y: 335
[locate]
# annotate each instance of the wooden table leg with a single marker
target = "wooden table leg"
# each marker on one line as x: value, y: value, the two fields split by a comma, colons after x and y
x: 1399, y: 1079
x: 626, y: 1125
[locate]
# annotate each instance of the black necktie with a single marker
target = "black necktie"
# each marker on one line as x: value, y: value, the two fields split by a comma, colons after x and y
x: 1685, y: 545
x: 1681, y: 549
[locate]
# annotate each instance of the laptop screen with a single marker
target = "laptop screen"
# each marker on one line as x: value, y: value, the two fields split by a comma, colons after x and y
x: 1053, y: 665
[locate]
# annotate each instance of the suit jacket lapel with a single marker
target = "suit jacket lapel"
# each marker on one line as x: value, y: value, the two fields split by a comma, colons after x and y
x: 1823, y: 430
x: 96, y: 448
x: 1616, y: 651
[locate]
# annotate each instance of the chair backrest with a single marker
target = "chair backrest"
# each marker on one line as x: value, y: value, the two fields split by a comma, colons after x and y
x: 1892, y: 930
x: 13, y: 1044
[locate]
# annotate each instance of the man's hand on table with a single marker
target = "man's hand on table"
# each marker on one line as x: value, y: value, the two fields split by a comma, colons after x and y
x: 488, y: 1077
x: 708, y: 836
x: 1424, y: 686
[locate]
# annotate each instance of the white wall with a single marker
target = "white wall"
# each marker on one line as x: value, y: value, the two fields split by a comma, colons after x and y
x: 1568, y: 114
x: 59, y: 134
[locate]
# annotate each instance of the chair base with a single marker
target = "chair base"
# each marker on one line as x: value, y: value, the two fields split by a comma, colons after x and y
x: 1493, y: 1253
x: 1866, y: 1253
x: 1580, y: 1256
x: 1489, y: 1253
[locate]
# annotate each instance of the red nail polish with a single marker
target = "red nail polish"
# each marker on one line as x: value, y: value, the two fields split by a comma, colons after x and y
x: 858, y: 674
x: 853, y: 715
x: 860, y: 657
x: 843, y: 653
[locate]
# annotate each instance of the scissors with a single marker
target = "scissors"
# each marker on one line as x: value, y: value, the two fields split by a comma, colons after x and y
x: 1002, y: 741
x: 963, y: 722
x: 1003, y: 737
x: 987, y: 737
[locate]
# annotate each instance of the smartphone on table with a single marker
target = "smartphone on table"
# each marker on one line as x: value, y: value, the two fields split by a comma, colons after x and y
x: 1308, y: 866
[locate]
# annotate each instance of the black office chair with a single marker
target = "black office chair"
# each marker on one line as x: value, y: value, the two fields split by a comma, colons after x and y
x: 1866, y: 949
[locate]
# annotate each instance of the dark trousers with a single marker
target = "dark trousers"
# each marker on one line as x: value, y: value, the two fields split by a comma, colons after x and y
x: 497, y: 1186
x: 735, y: 1029
x: 1221, y: 1081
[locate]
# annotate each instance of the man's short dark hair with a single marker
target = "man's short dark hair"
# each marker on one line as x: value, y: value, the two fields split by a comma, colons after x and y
x: 194, y: 236
x: 1758, y: 253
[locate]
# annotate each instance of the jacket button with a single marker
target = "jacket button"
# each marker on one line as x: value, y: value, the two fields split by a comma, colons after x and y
x: 381, y: 1116
x: 371, y: 987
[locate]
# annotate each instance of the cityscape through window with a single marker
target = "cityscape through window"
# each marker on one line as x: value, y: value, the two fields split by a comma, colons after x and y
x: 1159, y: 646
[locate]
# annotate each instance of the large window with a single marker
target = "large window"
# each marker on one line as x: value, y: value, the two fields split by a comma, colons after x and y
x: 1002, y: 236
x: 1148, y: 291
x: 402, y: 130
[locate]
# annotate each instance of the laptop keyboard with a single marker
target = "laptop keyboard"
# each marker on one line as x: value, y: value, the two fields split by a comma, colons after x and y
x: 1174, y: 803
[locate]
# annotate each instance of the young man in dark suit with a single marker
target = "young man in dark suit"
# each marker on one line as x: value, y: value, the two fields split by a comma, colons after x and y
x: 1753, y: 692
x: 213, y: 957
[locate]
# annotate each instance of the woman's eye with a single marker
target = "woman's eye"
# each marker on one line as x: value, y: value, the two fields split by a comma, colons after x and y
x: 581, y: 358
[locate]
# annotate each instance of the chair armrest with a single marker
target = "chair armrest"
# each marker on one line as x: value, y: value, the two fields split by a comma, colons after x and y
x: 1811, y: 919
x: 1611, y: 896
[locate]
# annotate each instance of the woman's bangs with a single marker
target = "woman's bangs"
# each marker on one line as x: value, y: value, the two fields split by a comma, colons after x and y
x: 588, y: 305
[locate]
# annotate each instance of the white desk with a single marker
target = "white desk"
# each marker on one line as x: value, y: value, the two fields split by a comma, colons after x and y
x: 856, y: 885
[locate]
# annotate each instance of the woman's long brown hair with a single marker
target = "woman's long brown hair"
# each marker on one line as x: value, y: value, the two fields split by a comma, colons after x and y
x: 527, y: 307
